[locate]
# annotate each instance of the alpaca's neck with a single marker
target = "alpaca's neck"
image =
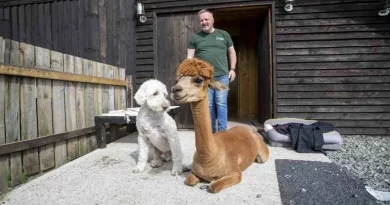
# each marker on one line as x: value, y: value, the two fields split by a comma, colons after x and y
x: 204, y: 140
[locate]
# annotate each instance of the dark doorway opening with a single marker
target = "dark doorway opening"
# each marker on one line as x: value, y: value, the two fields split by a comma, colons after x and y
x: 250, y: 95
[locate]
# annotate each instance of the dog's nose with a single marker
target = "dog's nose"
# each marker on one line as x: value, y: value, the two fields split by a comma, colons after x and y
x: 176, y: 88
x: 164, y: 107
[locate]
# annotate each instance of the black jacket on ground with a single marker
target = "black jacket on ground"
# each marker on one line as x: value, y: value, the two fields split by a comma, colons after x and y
x: 306, y: 138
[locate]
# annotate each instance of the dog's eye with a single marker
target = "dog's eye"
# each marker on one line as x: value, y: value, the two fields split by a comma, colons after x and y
x: 198, y: 80
x: 155, y: 93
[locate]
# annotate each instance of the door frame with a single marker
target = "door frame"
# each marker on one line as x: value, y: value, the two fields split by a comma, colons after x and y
x: 227, y: 4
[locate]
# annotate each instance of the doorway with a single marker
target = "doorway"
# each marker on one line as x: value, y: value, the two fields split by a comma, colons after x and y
x: 250, y: 94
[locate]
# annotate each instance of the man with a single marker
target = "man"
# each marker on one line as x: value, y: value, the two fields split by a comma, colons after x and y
x: 212, y: 46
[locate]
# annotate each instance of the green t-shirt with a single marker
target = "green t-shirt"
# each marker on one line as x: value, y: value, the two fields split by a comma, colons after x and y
x: 212, y: 48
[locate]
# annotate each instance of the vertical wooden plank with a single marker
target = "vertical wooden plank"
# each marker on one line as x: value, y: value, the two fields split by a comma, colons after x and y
x: 87, y: 29
x: 81, y: 27
x: 103, y: 31
x: 21, y: 24
x: 109, y: 22
x: 57, y: 64
x: 7, y: 50
x: 111, y: 93
x: 55, y: 21
x: 80, y: 110
x: 28, y: 17
x: 12, y: 116
x: 122, y: 76
x: 70, y: 104
x: 61, y: 27
x: 89, y: 112
x: 35, y: 26
x: 74, y: 28
x: 97, y: 102
x: 41, y: 25
x: 2, y: 49
x: 114, y: 129
x: 66, y: 32
x: 1, y: 22
x: 14, y: 23
x: 117, y: 90
x: 97, y: 71
x: 3, y: 158
x: 105, y: 90
x: 115, y: 33
x: 121, y: 33
x: 44, y: 108
x: 130, y: 39
x: 48, y: 41
x: 7, y: 23
x: 98, y: 99
x: 28, y: 108
x: 89, y: 104
x: 95, y: 36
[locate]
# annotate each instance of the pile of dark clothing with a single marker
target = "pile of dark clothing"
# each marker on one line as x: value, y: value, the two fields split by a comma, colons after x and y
x: 306, y: 138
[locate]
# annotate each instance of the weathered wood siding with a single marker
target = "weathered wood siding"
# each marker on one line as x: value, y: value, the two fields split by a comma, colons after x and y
x: 98, y: 30
x: 145, y: 45
x: 333, y: 64
x: 333, y: 60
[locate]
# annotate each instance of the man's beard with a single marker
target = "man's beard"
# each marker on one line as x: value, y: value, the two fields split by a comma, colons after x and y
x: 206, y: 29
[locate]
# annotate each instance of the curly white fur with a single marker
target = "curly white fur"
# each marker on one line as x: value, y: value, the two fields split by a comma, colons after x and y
x: 157, y: 131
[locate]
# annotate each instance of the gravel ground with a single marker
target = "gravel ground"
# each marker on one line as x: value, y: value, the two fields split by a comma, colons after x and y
x: 367, y: 158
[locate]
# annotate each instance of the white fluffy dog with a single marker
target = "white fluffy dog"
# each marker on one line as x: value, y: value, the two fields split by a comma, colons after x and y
x: 157, y: 131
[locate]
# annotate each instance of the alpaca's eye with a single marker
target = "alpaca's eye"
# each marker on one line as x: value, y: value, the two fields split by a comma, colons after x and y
x: 155, y: 93
x: 198, y: 80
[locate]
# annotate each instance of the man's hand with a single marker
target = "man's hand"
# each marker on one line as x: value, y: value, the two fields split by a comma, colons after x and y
x: 232, y: 75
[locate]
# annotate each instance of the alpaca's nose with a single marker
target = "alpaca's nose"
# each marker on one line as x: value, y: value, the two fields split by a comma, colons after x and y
x: 176, y: 88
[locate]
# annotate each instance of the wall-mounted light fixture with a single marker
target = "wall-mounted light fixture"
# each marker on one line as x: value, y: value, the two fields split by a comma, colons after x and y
x: 141, y: 12
x: 288, y: 7
x: 386, y: 10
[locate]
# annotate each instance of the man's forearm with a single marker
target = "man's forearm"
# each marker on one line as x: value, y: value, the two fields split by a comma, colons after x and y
x: 233, y: 60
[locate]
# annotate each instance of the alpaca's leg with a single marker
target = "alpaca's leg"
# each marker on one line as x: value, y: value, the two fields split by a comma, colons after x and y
x: 191, y: 180
x: 143, y: 148
x: 224, y: 182
x: 177, y: 155
x: 262, y: 151
x: 157, y: 161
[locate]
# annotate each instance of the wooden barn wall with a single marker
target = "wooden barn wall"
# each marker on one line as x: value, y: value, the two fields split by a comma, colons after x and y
x: 333, y: 60
x: 144, y: 31
x: 98, y: 30
x: 333, y: 64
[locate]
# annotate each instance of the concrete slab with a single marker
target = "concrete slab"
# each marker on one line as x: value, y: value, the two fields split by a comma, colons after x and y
x: 105, y: 177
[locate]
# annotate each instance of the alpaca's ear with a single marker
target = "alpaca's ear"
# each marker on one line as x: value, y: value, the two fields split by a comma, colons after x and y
x: 217, y: 85
x: 140, y: 95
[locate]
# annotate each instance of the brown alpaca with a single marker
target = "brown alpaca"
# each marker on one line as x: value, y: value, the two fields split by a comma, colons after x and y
x: 220, y: 158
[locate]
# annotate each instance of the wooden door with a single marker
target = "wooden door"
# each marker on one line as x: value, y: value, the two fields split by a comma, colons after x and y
x: 265, y: 70
x: 173, y: 34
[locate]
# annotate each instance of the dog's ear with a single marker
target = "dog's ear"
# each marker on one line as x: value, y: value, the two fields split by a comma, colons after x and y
x: 140, y: 95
